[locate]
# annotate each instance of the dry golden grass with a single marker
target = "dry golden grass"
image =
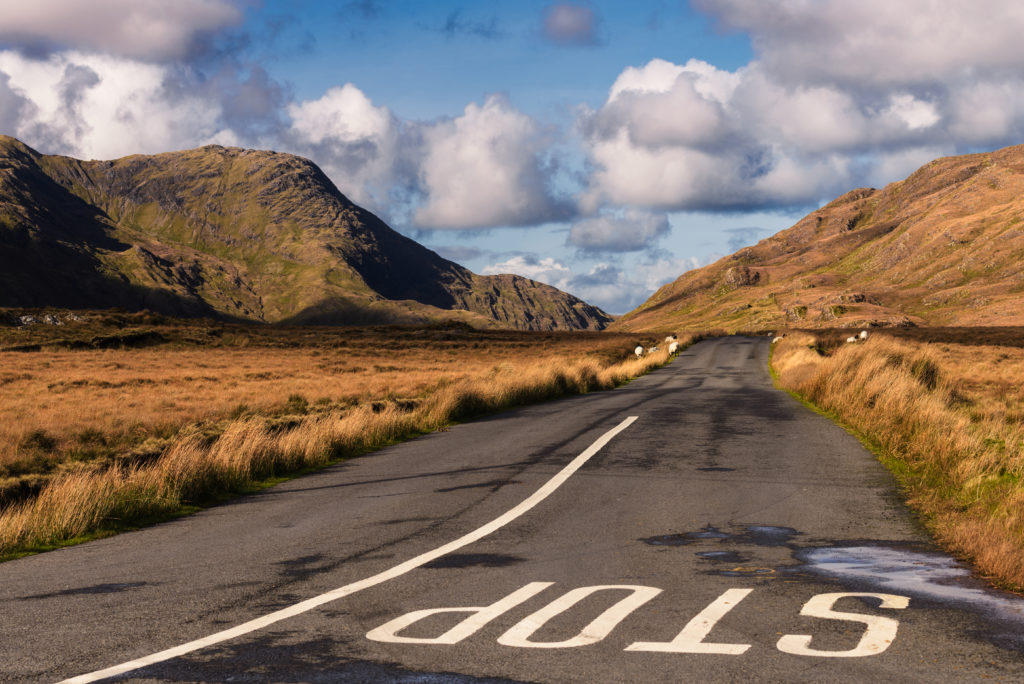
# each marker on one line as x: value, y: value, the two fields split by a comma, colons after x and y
x: 124, y: 437
x: 947, y: 419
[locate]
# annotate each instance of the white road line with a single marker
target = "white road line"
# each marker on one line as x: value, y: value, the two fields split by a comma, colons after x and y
x: 291, y: 611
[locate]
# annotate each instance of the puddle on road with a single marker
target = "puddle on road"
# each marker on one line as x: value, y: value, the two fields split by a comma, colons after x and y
x: 901, y: 571
x: 722, y: 556
x: 758, y: 535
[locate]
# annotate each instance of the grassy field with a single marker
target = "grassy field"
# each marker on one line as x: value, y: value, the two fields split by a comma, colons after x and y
x: 117, y: 420
x: 944, y: 408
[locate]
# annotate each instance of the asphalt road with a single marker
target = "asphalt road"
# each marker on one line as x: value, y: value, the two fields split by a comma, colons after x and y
x: 725, y: 534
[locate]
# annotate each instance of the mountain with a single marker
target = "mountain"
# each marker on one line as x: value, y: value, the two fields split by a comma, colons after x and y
x: 237, y: 234
x: 944, y: 247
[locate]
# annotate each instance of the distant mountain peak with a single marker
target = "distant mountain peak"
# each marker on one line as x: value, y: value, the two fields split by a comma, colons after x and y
x: 236, y: 233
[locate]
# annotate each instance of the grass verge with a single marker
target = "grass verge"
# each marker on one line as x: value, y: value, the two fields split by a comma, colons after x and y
x: 954, y: 441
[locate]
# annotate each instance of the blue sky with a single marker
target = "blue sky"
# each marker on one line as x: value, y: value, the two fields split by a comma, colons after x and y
x: 603, y: 147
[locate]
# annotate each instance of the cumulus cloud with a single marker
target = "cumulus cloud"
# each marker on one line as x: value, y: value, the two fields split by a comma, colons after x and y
x: 99, y: 106
x: 616, y: 288
x: 546, y: 270
x: 878, y: 41
x: 570, y: 24
x: 629, y: 231
x: 142, y: 29
x: 486, y: 168
x: 357, y: 143
x: 839, y: 94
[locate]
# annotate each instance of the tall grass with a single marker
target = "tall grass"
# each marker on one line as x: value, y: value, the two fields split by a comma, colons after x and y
x: 200, y: 466
x: 954, y: 440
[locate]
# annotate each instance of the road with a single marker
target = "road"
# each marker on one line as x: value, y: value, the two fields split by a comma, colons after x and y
x: 693, y: 525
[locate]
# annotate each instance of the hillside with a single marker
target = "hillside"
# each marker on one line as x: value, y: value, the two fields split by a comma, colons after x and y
x: 943, y: 247
x: 236, y: 234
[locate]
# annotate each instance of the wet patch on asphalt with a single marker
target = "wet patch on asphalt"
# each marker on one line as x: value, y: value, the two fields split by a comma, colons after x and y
x: 914, y: 570
x: 470, y: 560
x: 112, y: 588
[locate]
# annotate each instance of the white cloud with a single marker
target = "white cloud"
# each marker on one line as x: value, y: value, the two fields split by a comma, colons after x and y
x: 545, y: 270
x: 104, y: 107
x: 357, y: 143
x: 913, y: 113
x: 614, y: 288
x: 485, y: 168
x: 628, y: 231
x: 143, y: 29
x: 878, y: 41
x: 570, y: 24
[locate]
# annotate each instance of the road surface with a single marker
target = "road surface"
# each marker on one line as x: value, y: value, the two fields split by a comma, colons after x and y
x: 693, y: 525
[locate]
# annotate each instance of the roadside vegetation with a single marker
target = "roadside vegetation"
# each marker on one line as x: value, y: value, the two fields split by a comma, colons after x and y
x: 947, y: 418
x: 95, y: 439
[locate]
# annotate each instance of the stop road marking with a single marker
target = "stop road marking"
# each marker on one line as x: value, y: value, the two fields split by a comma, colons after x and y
x: 879, y: 631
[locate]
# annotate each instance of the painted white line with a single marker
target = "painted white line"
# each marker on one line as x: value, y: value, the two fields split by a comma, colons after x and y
x: 297, y: 609
x: 691, y: 639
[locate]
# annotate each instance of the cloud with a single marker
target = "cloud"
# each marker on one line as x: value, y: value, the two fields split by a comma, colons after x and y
x: 610, y: 286
x: 142, y: 29
x: 358, y: 144
x: 455, y: 25
x: 628, y: 231
x: 98, y: 106
x: 743, y: 236
x: 545, y: 270
x: 839, y: 95
x: 878, y: 41
x: 619, y: 289
x: 570, y: 24
x: 486, y: 168
x: 458, y: 253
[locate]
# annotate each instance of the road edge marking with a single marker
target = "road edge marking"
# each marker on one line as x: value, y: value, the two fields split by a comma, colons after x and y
x: 524, y: 506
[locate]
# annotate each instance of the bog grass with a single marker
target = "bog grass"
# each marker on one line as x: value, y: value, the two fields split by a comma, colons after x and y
x: 94, y: 441
x: 946, y: 418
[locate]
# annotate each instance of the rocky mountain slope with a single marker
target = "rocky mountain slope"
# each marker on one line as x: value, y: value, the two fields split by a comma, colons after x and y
x: 237, y: 234
x: 943, y: 247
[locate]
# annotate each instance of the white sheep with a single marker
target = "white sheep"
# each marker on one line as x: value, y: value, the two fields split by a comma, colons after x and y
x: 673, y: 348
x: 776, y: 339
x: 670, y: 339
x: 863, y: 334
x: 851, y: 340
x: 652, y: 350
x: 639, y: 351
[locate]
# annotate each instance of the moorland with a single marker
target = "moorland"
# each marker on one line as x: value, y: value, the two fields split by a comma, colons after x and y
x: 116, y: 419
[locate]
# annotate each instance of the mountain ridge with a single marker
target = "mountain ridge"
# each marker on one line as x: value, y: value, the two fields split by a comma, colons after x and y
x: 941, y: 247
x: 239, y: 234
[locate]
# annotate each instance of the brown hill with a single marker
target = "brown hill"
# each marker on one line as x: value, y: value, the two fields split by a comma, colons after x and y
x: 237, y: 234
x: 943, y: 247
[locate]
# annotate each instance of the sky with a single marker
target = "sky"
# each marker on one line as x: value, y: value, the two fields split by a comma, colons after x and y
x: 601, y: 147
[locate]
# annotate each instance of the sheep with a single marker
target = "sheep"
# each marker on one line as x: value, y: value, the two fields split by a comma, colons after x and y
x: 639, y: 351
x: 653, y: 349
x: 863, y: 334
x: 670, y: 339
x: 673, y: 347
x: 851, y: 340
x: 776, y: 339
